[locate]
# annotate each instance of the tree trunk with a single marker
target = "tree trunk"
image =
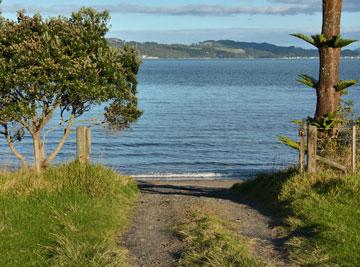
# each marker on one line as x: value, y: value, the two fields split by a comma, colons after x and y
x: 61, y: 142
x: 11, y: 145
x: 328, y: 100
x: 39, y: 152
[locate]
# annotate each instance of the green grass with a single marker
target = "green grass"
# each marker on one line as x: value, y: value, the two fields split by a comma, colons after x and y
x: 212, y: 242
x: 321, y: 213
x: 68, y: 216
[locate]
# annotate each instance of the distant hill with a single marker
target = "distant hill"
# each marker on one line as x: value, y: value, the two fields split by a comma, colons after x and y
x: 223, y: 49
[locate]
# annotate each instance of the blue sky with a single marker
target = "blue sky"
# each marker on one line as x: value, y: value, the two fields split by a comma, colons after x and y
x: 185, y: 21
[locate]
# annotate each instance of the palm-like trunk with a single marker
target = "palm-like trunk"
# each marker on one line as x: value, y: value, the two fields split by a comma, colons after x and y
x: 328, y: 99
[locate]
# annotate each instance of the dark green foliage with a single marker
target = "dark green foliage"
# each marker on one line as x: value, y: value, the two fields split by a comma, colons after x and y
x: 325, y: 123
x: 338, y: 42
x: 320, y: 41
x: 343, y: 85
x: 306, y: 38
x: 289, y: 142
x: 64, y: 66
x: 308, y: 81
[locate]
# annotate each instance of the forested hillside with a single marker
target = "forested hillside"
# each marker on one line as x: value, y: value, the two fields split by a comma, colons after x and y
x: 223, y: 49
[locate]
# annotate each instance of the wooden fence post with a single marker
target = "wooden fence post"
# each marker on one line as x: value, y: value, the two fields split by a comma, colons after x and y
x: 302, y: 150
x: 88, y: 141
x: 83, y: 143
x: 354, y: 131
x: 312, y: 149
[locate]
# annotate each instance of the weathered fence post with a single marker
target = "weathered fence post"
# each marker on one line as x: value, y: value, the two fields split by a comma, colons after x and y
x: 354, y: 131
x: 88, y: 141
x: 83, y: 143
x: 312, y: 149
x: 302, y: 150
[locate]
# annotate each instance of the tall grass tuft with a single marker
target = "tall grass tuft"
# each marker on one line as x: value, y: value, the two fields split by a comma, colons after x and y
x: 210, y: 242
x: 69, y: 215
x: 321, y: 213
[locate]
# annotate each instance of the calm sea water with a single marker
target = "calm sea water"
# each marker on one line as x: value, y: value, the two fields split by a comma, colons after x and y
x: 207, y: 119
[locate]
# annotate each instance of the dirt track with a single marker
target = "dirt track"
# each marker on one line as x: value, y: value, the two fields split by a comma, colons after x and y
x: 164, y: 204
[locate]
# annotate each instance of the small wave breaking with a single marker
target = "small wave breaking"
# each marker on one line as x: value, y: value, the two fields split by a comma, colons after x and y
x: 191, y: 176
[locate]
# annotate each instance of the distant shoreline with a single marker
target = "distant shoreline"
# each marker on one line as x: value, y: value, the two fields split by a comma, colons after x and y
x: 223, y: 49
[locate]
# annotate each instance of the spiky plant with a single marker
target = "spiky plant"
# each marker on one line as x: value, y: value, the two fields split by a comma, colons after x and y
x: 329, y: 87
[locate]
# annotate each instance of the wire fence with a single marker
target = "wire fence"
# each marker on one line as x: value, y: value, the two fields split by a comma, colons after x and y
x: 324, y: 148
x: 319, y: 148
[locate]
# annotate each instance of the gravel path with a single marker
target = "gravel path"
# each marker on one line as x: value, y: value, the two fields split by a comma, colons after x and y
x: 164, y: 204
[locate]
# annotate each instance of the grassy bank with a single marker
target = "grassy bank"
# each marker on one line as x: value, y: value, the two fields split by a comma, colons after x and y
x: 321, y: 213
x: 68, y: 216
x: 211, y: 242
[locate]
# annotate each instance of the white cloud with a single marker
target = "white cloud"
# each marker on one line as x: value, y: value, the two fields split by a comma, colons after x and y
x: 348, y: 5
x: 275, y: 36
x: 298, y: 2
x: 275, y: 7
x: 192, y: 10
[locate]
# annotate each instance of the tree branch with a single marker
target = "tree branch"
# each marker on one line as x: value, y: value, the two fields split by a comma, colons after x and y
x: 47, y: 116
x: 11, y: 145
x: 48, y: 112
x: 26, y: 124
x: 62, y: 141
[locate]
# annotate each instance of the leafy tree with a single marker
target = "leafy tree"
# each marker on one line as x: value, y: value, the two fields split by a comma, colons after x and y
x: 62, y: 66
x: 329, y: 87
